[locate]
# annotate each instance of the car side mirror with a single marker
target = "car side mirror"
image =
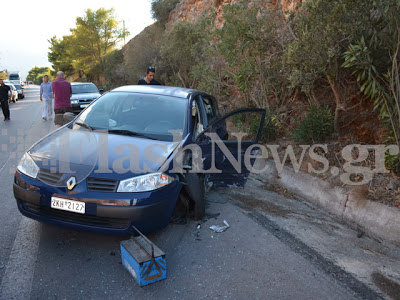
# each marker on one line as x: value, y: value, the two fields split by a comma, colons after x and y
x: 69, y: 116
x: 101, y: 91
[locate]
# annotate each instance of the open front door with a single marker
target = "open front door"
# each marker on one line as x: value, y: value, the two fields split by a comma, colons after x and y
x: 226, y: 146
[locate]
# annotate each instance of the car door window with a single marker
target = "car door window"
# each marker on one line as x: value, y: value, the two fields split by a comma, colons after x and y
x: 236, y: 132
x: 210, y: 108
x: 241, y: 123
x: 196, y: 120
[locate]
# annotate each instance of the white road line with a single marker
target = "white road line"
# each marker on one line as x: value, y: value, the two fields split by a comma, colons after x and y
x: 1, y: 169
x: 18, y: 276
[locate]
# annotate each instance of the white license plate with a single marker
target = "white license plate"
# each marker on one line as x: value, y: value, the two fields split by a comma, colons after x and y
x: 84, y: 105
x: 68, y: 205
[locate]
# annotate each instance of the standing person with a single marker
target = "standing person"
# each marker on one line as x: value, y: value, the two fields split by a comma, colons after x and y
x: 62, y: 92
x: 46, y: 95
x: 4, y: 98
x: 149, y: 78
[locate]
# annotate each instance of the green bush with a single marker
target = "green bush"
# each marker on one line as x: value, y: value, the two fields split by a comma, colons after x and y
x: 183, y: 47
x: 160, y: 9
x: 239, y: 120
x: 114, y: 73
x: 268, y: 132
x: 316, y: 127
x: 392, y: 163
x: 251, y: 123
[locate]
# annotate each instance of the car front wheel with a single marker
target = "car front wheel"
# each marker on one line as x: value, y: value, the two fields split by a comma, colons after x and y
x: 196, y: 191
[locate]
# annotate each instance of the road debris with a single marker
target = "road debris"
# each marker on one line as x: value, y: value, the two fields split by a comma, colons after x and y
x: 220, y: 229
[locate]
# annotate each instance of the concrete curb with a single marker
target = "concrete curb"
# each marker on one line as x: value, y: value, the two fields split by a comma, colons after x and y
x: 375, y: 219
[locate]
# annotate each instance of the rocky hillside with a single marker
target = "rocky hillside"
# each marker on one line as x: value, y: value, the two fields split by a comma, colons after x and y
x: 299, y: 59
x: 192, y: 10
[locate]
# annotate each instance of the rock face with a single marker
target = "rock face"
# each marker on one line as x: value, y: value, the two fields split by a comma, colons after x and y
x: 192, y: 10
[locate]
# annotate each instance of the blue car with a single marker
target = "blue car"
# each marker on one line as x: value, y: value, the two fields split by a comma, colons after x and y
x: 136, y: 156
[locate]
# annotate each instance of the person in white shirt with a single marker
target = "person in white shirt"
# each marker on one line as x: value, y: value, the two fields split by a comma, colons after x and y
x: 46, y: 95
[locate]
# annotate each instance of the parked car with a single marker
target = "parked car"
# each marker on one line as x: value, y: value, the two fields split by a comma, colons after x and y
x: 14, y: 96
x: 83, y: 93
x: 20, y: 91
x: 125, y: 173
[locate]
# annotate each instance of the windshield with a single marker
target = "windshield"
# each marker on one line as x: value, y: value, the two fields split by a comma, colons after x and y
x: 17, y: 86
x: 13, y: 77
x: 144, y: 114
x: 84, y: 88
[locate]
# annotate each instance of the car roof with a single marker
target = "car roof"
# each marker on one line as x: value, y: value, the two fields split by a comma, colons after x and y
x: 81, y: 83
x: 173, y: 91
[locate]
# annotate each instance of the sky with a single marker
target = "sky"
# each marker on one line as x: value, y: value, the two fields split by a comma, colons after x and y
x: 28, y: 25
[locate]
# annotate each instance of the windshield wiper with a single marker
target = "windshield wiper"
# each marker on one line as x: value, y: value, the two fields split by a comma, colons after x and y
x: 84, y: 125
x: 130, y: 133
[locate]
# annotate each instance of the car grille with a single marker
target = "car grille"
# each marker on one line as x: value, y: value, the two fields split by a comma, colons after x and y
x: 77, y: 218
x: 84, y: 101
x: 101, y: 185
x: 49, y: 176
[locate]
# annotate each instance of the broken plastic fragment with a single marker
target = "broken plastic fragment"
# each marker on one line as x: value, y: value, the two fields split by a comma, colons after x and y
x: 220, y: 229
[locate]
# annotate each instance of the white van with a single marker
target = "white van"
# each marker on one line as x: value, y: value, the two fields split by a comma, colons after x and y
x: 15, y: 78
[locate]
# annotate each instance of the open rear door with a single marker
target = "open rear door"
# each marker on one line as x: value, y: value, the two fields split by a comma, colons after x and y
x: 225, y: 146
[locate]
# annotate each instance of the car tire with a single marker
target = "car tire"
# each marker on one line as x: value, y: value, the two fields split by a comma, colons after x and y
x: 195, y: 190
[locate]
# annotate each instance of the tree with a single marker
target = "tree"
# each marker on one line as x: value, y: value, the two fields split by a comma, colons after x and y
x: 59, y: 56
x: 3, y: 75
x: 324, y: 29
x: 375, y: 61
x: 85, y: 51
x: 252, y: 42
x: 95, y: 36
x: 36, y: 74
x: 183, y: 47
x: 161, y: 9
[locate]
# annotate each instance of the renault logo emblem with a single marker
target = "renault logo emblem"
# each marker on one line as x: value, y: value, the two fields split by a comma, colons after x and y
x: 71, y: 183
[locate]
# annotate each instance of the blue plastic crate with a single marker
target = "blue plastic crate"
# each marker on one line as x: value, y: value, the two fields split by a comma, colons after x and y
x: 143, y: 260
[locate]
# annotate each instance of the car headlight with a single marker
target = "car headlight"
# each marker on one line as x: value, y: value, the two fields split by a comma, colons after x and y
x: 144, y: 183
x: 27, y: 166
x: 74, y: 101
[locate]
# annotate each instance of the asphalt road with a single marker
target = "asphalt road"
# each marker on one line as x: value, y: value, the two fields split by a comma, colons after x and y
x: 256, y: 258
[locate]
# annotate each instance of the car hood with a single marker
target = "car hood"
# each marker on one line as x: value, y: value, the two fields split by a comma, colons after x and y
x: 100, y: 154
x: 88, y: 96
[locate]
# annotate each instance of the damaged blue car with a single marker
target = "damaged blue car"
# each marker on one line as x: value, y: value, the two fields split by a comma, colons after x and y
x: 133, y: 157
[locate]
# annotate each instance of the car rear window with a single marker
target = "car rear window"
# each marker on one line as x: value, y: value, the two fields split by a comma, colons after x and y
x: 84, y: 88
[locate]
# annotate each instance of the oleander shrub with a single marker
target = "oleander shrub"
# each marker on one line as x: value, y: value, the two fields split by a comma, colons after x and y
x: 317, y: 126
